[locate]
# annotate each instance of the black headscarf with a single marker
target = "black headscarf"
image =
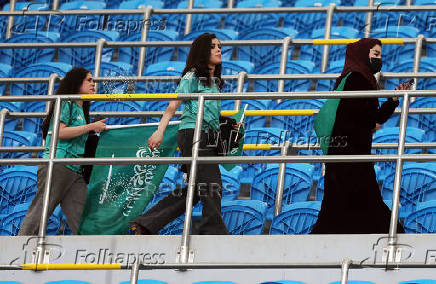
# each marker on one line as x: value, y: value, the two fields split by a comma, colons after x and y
x: 356, y: 60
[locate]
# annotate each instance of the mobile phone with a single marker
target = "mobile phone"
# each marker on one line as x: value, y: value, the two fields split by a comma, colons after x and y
x: 410, y: 82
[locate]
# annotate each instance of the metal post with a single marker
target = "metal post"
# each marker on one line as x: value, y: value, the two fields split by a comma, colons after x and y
x: 328, y: 29
x: 368, y: 19
x: 417, y: 60
x: 188, y: 23
x: 281, y: 180
x: 51, y: 83
x: 135, y: 272
x: 40, y: 249
x: 98, y: 53
x: 283, y: 62
x: 240, y: 88
x: 55, y: 5
x: 4, y: 112
x: 408, y: 3
x: 144, y: 35
x: 344, y: 270
x: 184, y: 246
x: 10, y: 19
x: 397, y: 180
x: 230, y: 4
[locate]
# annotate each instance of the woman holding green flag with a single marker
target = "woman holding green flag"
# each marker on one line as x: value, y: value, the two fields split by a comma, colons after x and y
x: 202, y: 74
x: 352, y: 201
x: 68, y: 187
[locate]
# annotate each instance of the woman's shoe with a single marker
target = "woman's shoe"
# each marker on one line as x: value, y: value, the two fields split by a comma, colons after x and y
x: 138, y: 229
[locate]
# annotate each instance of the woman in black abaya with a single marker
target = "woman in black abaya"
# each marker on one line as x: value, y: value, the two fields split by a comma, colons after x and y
x: 352, y: 201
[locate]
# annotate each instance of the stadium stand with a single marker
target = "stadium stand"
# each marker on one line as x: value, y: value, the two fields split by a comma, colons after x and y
x: 303, y: 182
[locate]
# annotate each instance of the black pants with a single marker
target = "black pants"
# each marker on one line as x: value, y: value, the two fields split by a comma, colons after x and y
x: 208, y: 189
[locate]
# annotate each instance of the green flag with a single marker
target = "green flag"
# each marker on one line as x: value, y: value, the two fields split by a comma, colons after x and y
x: 118, y: 194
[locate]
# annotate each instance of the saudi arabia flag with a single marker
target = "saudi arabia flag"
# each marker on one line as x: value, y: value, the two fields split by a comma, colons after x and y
x: 117, y: 194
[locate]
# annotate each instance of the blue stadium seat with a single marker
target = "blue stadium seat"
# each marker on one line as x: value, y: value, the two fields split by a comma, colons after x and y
x: 12, y: 222
x: 244, y: 22
x: 297, y: 185
x: 165, y: 68
x: 328, y: 85
x: 127, y: 25
x: 390, y: 135
x: 20, y: 58
x: 292, y: 67
x: 39, y: 70
x: 18, y: 186
x: 18, y: 139
x: 222, y: 35
x: 317, y: 170
x: 200, y: 22
x: 233, y: 68
x: 171, y: 4
x: 393, y: 54
x: 244, y: 217
x: 420, y: 281
x: 431, y: 47
x: 10, y: 282
x: 319, y: 194
x: 418, y: 184
x: 260, y: 136
x: 175, y: 227
x: 11, y: 124
x: 5, y: 71
x: 427, y: 64
x: 263, y: 55
x: 78, y: 23
x: 114, y: 106
x: 305, y: 23
x: 26, y: 23
x: 297, y: 218
x: 113, y: 69
x: 380, y: 19
x: 86, y: 56
x: 299, y: 127
x: 231, y: 183
x: 426, y: 122
x: 336, y: 52
x: 146, y: 281
x: 423, y: 20
x: 153, y: 54
x: 34, y: 124
x: 423, y: 220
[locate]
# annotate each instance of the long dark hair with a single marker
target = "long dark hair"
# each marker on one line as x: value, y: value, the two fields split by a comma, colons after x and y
x: 69, y: 85
x: 198, y: 60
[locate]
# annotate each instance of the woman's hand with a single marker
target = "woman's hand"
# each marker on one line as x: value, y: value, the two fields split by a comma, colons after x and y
x: 98, y: 126
x: 155, y: 140
x: 403, y: 86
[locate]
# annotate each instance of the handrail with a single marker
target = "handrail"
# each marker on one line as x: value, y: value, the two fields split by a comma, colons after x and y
x: 340, y: 9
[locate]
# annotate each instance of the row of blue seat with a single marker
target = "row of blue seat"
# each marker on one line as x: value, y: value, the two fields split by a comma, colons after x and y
x: 260, y: 56
x: 304, y: 22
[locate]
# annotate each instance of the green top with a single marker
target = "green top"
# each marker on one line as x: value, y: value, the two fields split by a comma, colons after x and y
x: 212, y: 108
x: 74, y: 147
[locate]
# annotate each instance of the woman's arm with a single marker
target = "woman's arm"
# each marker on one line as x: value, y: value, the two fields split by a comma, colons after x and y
x: 156, y: 139
x: 66, y: 132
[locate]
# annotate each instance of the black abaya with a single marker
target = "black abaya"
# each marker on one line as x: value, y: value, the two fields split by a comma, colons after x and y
x: 352, y: 201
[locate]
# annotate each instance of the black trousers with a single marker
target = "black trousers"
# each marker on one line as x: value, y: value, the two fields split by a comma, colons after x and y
x: 208, y: 190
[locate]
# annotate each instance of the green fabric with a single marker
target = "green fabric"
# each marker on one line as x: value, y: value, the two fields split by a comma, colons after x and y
x: 237, y: 150
x: 325, y: 120
x: 118, y: 194
x: 212, y: 108
x: 69, y: 148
